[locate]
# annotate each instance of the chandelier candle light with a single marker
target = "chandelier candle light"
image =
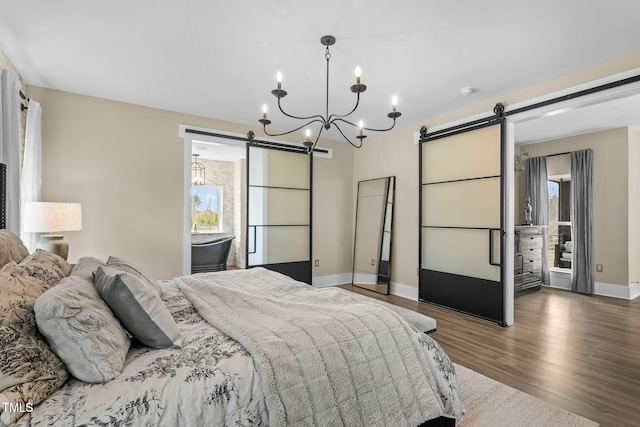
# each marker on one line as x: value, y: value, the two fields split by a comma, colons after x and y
x: 327, y: 121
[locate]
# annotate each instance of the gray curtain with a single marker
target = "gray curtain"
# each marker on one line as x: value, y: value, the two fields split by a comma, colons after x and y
x: 582, y: 274
x: 538, y: 193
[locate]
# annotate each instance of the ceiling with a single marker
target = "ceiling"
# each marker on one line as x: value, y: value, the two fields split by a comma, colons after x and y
x: 219, y: 59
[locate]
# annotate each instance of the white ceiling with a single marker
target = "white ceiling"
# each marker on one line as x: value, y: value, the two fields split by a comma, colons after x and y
x: 219, y: 58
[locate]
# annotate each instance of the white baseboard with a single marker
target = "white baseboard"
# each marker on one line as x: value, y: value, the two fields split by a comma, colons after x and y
x: 404, y: 291
x: 559, y: 280
x: 616, y: 291
x: 399, y: 289
x: 562, y: 280
x: 331, y: 280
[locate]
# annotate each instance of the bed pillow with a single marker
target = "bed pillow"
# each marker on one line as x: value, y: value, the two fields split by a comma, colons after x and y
x: 86, y: 267
x: 11, y: 248
x: 139, y: 307
x: 29, y: 372
x: 82, y: 330
x: 124, y: 265
x: 46, y: 266
x: 18, y: 292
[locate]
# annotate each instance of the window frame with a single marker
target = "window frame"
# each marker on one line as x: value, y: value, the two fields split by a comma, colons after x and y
x: 558, y: 179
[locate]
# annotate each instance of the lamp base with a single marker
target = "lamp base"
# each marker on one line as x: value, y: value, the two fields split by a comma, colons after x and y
x: 53, y: 243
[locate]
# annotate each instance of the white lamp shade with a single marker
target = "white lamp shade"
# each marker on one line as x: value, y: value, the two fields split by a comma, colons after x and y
x: 47, y: 217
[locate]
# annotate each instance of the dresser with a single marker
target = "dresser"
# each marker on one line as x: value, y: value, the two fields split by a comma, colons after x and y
x: 528, y: 258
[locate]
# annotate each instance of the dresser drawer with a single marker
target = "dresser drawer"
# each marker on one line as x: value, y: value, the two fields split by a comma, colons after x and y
x: 530, y: 242
x: 531, y: 264
x: 525, y: 278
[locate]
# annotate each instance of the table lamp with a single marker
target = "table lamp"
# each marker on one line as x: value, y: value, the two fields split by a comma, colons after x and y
x: 47, y: 217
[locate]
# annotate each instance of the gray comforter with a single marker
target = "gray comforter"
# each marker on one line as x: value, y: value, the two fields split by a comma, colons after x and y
x: 325, y: 358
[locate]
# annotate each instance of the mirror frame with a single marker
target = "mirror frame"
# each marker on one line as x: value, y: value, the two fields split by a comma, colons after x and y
x: 383, y: 278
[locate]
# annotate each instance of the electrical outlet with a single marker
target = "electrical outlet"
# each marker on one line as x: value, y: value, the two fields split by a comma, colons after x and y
x: 599, y: 267
x: 317, y: 263
x: 373, y: 262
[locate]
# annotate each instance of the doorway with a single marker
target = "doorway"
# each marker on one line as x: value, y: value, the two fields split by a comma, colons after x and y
x: 602, y: 117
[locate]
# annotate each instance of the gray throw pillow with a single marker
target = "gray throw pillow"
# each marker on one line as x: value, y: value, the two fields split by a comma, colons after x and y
x: 139, y: 307
x: 129, y: 267
x: 82, y: 330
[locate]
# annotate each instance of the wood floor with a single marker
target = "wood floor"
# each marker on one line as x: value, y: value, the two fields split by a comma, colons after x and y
x: 579, y: 352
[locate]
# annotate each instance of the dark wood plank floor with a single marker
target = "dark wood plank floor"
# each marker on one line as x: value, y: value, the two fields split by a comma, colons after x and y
x: 579, y: 352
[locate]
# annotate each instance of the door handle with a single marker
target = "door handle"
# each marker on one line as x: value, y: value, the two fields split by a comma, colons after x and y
x: 254, y: 240
x: 491, y: 231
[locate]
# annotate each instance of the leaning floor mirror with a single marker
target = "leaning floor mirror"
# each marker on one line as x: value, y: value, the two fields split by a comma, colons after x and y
x: 372, y: 241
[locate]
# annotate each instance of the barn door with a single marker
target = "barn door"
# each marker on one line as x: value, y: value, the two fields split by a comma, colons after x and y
x: 279, y: 209
x: 462, y: 233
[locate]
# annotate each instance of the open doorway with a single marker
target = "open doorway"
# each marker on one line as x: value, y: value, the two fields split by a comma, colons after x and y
x: 215, y: 194
x: 607, y: 123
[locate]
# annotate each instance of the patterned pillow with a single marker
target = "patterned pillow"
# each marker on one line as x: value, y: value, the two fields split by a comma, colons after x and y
x: 46, y: 266
x: 138, y: 307
x: 128, y: 267
x: 82, y: 330
x: 29, y: 372
x: 18, y: 292
x: 11, y: 248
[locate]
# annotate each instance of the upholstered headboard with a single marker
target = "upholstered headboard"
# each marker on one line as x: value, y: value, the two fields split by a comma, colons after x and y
x: 3, y: 196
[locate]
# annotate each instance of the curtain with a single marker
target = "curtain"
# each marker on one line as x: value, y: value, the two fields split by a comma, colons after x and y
x: 10, y: 144
x: 582, y: 274
x: 538, y: 193
x: 32, y: 166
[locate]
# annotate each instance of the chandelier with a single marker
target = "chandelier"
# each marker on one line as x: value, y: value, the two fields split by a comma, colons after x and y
x: 197, y: 171
x: 328, y: 120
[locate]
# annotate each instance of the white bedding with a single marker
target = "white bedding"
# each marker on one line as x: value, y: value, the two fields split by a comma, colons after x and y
x: 211, y: 381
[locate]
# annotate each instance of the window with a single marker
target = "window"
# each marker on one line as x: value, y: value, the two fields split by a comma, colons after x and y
x: 560, y: 221
x: 206, y: 209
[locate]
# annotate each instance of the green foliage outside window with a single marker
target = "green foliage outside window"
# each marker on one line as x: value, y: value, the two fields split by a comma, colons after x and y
x: 205, y: 208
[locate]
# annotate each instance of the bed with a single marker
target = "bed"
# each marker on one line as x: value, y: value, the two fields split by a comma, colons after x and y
x: 242, y: 348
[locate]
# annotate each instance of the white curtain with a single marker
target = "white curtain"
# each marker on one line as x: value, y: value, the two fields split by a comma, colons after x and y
x: 538, y: 193
x: 10, y: 144
x: 32, y: 166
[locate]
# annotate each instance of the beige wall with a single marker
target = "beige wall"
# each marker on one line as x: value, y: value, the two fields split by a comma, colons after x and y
x: 333, y: 198
x: 634, y: 206
x: 393, y: 153
x: 124, y: 163
x: 610, y: 192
